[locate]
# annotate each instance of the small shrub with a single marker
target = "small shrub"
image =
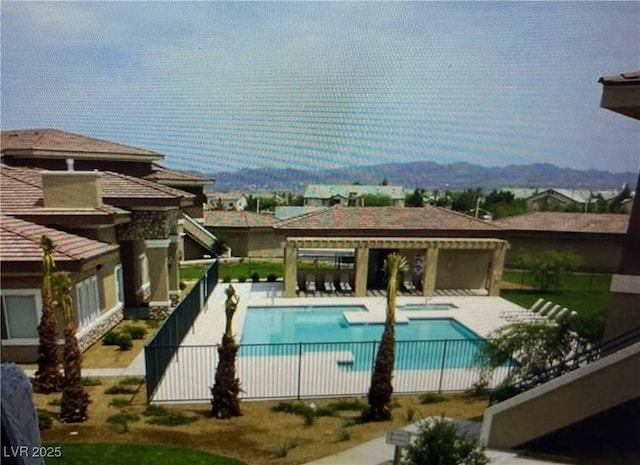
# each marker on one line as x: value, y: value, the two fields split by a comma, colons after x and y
x: 136, y: 331
x: 344, y: 434
x: 431, y: 398
x: 272, y: 278
x: 283, y: 449
x: 309, y: 417
x: 346, y: 422
x: 125, y: 342
x: 153, y: 324
x: 255, y: 277
x: 120, y: 389
x: 55, y: 402
x: 155, y: 411
x: 242, y: 279
x: 131, y: 381
x: 182, y: 286
x: 110, y: 338
x: 45, y: 419
x: 172, y: 419
x: 87, y: 381
x: 348, y: 404
x: 410, y: 413
x: 226, y: 279
x: 437, y: 441
x: 122, y: 420
x: 118, y: 402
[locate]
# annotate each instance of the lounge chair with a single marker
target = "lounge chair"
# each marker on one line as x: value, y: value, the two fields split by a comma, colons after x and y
x: 310, y: 283
x: 345, y: 286
x: 329, y: 285
x: 537, y: 304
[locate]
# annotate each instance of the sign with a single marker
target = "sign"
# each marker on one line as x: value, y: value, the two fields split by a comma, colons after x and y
x: 398, y: 437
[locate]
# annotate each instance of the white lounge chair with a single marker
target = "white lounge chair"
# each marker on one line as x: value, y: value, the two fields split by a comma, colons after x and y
x: 529, y: 314
x: 329, y: 285
x: 345, y: 286
x: 310, y: 283
x: 408, y: 285
x: 537, y: 304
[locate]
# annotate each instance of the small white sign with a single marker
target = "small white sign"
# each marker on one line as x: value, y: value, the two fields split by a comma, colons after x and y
x: 398, y: 437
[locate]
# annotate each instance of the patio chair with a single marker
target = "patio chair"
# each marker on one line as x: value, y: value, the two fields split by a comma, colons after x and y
x: 329, y: 285
x: 537, y: 304
x: 345, y: 286
x: 529, y: 314
x: 310, y: 283
x: 407, y: 285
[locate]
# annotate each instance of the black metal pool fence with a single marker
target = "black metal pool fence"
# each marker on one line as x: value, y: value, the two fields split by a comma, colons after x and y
x: 305, y: 370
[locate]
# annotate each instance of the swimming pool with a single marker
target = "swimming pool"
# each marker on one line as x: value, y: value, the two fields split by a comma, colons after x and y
x: 421, y: 343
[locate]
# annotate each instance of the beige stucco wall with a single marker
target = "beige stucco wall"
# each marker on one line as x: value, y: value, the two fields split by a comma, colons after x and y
x: 463, y: 269
x: 564, y: 401
x: 266, y: 243
x: 72, y: 189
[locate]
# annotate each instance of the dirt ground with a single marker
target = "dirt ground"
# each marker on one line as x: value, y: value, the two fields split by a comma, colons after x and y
x: 251, y: 438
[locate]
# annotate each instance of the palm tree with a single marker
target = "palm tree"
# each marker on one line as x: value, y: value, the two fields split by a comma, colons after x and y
x: 47, y: 377
x: 379, y: 396
x: 75, y: 399
x: 225, y: 391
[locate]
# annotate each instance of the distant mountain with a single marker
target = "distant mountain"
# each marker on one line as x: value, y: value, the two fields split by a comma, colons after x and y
x: 428, y: 175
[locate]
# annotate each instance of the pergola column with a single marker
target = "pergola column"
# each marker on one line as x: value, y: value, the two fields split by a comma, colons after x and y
x: 290, y: 270
x: 157, y: 255
x: 497, y: 266
x: 361, y: 271
x: 174, y: 268
x: 430, y: 272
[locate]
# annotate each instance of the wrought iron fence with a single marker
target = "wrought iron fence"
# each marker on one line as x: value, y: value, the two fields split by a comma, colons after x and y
x: 304, y: 370
x: 162, y: 349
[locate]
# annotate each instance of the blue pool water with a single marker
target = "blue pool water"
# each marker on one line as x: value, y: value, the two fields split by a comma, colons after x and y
x: 421, y: 344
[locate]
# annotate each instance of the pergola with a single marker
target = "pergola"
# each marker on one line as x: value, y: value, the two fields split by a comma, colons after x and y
x: 431, y: 247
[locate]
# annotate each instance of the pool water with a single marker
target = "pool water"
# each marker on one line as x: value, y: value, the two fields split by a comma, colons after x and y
x: 421, y: 343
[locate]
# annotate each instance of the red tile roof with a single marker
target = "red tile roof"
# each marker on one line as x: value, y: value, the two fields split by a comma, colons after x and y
x: 632, y: 77
x: 56, y: 141
x: 236, y: 219
x: 19, y: 246
x: 176, y: 178
x: 607, y: 223
x: 120, y: 189
x: 383, y: 219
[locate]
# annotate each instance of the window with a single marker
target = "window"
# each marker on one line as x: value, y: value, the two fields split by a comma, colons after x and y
x: 87, y: 301
x: 21, y: 310
x: 119, y: 283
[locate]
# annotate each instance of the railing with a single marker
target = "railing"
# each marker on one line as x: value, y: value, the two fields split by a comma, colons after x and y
x: 304, y: 370
x: 159, y: 352
x: 582, y: 357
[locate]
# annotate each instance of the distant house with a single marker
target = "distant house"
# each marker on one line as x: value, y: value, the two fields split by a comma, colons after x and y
x: 327, y: 195
x: 227, y: 201
x: 567, y: 199
x: 247, y: 234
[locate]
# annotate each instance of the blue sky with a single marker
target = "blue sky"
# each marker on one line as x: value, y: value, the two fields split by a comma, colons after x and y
x: 222, y: 86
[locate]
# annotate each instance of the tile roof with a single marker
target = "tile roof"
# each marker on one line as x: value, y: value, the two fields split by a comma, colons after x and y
x: 567, y: 222
x: 54, y: 140
x: 163, y: 175
x: 632, y: 77
x: 327, y: 191
x: 383, y: 219
x: 22, y: 192
x: 237, y: 219
x: 19, y: 245
x: 226, y: 196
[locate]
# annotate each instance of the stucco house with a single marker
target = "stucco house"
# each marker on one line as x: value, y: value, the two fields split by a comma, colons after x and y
x: 237, y: 201
x: 247, y: 234
x: 327, y: 195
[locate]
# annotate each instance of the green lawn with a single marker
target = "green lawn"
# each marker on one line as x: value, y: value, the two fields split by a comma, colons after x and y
x: 247, y: 268
x: 592, y: 305
x: 109, y: 454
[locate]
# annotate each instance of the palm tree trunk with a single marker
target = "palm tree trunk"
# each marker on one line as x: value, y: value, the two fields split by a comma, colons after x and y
x: 75, y: 400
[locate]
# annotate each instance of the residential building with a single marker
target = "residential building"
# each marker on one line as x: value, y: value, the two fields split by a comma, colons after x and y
x: 326, y: 195
x: 237, y: 201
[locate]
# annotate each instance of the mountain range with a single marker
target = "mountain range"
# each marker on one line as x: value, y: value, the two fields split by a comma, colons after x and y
x: 427, y: 174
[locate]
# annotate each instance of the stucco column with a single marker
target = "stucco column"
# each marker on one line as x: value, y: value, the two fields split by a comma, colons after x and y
x: 290, y: 270
x: 174, y: 268
x: 361, y: 271
x: 157, y: 254
x: 430, y: 272
x: 497, y: 266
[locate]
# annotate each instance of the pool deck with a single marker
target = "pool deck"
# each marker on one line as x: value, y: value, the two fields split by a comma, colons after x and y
x: 309, y: 374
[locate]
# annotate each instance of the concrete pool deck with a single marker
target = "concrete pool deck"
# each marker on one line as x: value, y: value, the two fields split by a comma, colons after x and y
x: 310, y: 374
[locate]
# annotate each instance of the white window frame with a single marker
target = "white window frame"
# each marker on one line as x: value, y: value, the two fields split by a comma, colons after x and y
x: 32, y: 292
x: 87, y: 301
x: 119, y: 277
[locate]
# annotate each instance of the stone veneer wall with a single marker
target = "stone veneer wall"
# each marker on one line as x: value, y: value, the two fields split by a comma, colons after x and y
x: 91, y: 335
x: 160, y: 312
x: 148, y: 224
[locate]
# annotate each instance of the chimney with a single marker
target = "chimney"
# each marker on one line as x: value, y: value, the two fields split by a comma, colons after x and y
x: 72, y: 189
